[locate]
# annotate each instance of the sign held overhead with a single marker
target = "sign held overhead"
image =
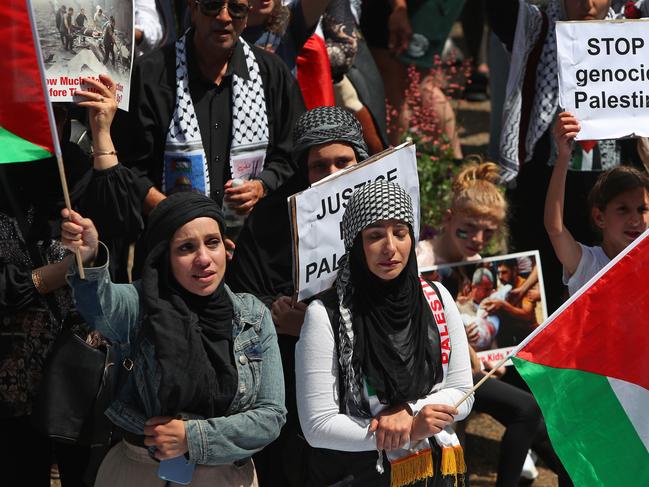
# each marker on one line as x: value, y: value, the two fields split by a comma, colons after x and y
x: 604, y: 76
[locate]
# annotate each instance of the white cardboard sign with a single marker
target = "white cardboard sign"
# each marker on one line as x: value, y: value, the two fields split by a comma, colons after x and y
x: 604, y: 76
x: 316, y: 215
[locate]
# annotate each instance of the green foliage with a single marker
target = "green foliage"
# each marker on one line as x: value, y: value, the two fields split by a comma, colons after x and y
x: 436, y: 168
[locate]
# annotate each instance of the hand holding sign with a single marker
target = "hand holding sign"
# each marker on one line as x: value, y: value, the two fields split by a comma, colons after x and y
x: 565, y: 131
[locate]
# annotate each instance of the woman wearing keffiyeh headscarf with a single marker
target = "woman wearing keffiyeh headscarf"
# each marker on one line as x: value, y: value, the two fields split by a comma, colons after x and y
x: 326, y: 140
x: 206, y: 385
x: 382, y: 358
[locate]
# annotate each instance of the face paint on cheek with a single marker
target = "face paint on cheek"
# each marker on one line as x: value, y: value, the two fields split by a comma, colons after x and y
x: 461, y: 234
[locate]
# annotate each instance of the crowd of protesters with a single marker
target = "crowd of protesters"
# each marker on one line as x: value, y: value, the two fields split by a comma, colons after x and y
x: 188, y: 257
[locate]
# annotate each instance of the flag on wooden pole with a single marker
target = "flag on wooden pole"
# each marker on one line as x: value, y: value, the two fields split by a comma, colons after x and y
x: 588, y: 368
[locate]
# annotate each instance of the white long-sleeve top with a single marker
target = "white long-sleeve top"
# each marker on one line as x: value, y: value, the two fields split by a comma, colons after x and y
x: 316, y: 370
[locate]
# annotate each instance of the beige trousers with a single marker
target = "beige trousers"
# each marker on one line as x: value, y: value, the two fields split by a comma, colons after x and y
x: 127, y: 465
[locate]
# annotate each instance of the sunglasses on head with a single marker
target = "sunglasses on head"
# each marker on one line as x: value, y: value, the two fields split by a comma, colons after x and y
x: 236, y: 10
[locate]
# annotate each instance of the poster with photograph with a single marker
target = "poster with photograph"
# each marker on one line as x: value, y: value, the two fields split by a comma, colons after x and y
x: 501, y: 300
x: 85, y: 38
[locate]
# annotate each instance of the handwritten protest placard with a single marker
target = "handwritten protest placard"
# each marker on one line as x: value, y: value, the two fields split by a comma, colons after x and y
x: 604, y: 76
x: 85, y: 39
x: 316, y: 215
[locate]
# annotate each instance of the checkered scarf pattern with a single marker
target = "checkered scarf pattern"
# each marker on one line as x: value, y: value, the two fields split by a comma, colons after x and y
x: 249, y: 118
x: 380, y: 200
x: 328, y: 124
x: 546, y: 91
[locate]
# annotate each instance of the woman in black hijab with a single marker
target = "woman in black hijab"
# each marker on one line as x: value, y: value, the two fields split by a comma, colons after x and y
x: 382, y: 358
x: 207, y: 380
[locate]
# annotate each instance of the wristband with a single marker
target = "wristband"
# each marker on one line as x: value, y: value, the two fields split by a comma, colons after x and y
x: 96, y: 153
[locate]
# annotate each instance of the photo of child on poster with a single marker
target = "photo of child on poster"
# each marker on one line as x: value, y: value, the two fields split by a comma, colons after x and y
x: 500, y: 299
x: 85, y: 38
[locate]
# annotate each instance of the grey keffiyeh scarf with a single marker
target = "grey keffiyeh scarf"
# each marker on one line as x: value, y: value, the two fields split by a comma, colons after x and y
x: 325, y: 125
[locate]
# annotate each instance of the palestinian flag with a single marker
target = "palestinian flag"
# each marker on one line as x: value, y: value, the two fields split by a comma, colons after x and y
x: 588, y: 368
x: 25, y: 133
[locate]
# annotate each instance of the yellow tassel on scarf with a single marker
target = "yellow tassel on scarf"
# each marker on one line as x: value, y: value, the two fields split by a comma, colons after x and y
x: 449, y: 464
x: 453, y: 463
x: 459, y: 459
x: 412, y: 468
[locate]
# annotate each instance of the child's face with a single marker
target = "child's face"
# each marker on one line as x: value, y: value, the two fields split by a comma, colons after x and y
x: 470, y: 234
x: 586, y: 9
x: 623, y: 220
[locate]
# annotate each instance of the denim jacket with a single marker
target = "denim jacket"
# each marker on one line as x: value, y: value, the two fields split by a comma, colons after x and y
x: 257, y: 412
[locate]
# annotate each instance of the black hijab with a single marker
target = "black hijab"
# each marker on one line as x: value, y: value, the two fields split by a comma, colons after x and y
x: 191, y: 334
x: 391, y: 321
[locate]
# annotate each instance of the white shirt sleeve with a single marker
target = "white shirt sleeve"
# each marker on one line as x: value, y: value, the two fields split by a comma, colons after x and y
x: 147, y: 19
x: 459, y: 379
x: 592, y: 260
x: 316, y: 374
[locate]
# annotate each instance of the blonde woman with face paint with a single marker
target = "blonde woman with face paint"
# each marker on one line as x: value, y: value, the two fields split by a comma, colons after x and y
x: 477, y: 211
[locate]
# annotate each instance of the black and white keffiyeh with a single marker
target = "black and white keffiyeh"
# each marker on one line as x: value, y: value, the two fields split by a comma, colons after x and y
x: 380, y: 200
x: 323, y: 125
x: 249, y: 117
x: 383, y: 326
x: 529, y: 27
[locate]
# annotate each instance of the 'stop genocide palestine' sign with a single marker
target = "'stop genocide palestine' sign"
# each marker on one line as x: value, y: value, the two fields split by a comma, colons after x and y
x: 316, y: 215
x: 604, y: 76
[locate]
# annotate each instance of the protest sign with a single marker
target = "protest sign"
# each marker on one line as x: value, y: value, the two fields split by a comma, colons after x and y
x: 81, y: 38
x: 316, y: 215
x: 604, y: 76
x: 487, y: 290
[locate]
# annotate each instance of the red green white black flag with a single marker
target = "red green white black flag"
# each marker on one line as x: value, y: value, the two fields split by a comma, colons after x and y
x: 27, y: 130
x: 588, y: 368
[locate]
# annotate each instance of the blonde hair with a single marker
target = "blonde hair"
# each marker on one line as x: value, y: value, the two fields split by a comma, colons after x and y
x: 475, y: 191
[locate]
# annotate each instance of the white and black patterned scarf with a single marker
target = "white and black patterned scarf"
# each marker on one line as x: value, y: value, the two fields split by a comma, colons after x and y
x: 529, y: 27
x: 249, y: 118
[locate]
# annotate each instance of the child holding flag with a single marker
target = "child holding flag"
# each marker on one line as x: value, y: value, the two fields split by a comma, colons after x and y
x: 619, y: 204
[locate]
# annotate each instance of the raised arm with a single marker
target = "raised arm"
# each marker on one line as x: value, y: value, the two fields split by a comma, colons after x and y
x: 113, y: 309
x: 112, y: 198
x: 565, y: 246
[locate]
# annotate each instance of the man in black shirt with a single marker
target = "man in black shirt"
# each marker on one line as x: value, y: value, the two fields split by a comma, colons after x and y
x: 80, y: 22
x: 68, y: 28
x: 209, y: 109
x: 60, y: 25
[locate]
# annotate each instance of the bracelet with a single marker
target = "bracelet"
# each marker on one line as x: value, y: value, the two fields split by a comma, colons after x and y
x: 39, y: 282
x: 104, y: 153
